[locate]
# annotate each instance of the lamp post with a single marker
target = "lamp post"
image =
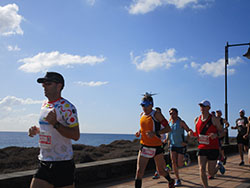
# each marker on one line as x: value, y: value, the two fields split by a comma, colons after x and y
x: 247, y: 55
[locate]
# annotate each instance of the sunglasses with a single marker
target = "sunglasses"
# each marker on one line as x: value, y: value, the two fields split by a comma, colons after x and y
x: 47, y: 83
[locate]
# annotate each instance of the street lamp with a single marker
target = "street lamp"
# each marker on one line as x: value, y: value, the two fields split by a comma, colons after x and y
x: 247, y: 55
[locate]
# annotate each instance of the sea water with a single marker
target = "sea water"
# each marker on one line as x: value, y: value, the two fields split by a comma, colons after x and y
x: 21, y: 139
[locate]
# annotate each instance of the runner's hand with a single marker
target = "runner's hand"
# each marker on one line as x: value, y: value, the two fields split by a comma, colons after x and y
x: 190, y: 133
x: 137, y: 134
x: 245, y: 136
x: 33, y: 131
x: 51, y: 117
x: 212, y: 135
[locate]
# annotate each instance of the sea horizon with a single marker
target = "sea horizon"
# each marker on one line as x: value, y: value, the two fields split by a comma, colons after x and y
x: 21, y: 139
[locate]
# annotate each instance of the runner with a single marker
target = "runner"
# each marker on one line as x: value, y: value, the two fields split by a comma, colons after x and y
x: 151, y: 145
x: 58, y: 125
x: 248, y: 130
x: 223, y: 122
x: 242, y: 137
x: 178, y: 145
x: 163, y: 140
x: 207, y: 127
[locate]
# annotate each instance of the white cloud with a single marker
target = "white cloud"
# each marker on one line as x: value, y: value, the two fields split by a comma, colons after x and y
x: 217, y: 68
x: 91, y: 2
x: 153, y: 60
x: 17, y: 122
x: 12, y: 100
x: 44, y: 61
x: 92, y: 83
x: 194, y: 65
x: 17, y: 113
x: 13, y: 48
x: 145, y: 6
x: 8, y: 102
x: 10, y: 20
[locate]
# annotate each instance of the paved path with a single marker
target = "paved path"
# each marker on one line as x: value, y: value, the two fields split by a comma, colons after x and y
x: 235, y: 176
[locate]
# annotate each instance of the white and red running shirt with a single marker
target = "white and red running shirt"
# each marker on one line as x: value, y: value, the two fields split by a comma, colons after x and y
x: 54, y: 146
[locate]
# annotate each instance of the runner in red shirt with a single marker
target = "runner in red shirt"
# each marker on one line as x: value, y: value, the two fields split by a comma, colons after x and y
x: 207, y: 129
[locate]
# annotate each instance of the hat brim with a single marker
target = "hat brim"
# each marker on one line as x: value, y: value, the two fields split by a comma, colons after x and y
x: 42, y: 80
x: 201, y: 104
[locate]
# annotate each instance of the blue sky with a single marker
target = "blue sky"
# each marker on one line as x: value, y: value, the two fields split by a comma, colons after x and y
x: 112, y: 51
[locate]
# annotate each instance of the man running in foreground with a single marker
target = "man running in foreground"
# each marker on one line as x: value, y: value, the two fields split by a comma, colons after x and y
x: 58, y: 125
x: 151, y: 144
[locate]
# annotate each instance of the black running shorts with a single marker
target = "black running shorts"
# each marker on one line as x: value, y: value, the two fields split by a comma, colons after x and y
x: 179, y: 150
x: 211, y: 154
x: 57, y: 173
x: 241, y: 140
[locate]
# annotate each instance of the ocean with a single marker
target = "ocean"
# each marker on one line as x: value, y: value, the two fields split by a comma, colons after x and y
x: 22, y: 139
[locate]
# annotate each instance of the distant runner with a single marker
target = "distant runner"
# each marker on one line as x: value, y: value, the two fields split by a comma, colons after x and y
x: 223, y: 122
x: 151, y: 144
x: 242, y: 137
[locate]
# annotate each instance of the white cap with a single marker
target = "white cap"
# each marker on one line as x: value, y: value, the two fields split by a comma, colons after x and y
x: 205, y: 103
x: 241, y: 110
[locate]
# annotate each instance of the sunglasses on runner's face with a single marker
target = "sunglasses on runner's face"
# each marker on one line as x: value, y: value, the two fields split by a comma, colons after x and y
x: 146, y: 103
x: 47, y: 83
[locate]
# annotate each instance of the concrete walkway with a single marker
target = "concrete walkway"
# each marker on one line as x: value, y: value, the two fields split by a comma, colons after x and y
x: 235, y: 176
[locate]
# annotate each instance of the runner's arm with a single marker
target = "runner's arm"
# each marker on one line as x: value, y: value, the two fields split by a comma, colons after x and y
x: 159, y: 117
x: 191, y: 133
x: 248, y: 127
x: 218, y: 126
x: 69, y: 132
x: 185, y: 126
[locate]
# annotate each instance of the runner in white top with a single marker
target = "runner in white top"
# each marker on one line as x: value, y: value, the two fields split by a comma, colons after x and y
x: 58, y: 125
x: 54, y: 146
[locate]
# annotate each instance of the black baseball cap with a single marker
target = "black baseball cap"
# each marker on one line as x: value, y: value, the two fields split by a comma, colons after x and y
x: 52, y: 77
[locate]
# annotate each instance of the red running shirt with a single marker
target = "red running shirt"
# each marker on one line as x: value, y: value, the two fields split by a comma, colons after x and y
x: 213, y: 143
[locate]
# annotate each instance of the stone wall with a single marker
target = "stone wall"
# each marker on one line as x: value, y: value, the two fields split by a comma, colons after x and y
x: 95, y: 172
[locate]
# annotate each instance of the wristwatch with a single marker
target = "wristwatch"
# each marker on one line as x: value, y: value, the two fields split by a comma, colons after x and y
x: 57, y: 125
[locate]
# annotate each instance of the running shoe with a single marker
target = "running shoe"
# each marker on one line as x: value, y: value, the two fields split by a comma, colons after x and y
x: 187, y: 159
x: 241, y: 163
x: 168, y: 168
x: 221, y: 167
x: 224, y: 160
x: 177, y: 183
x: 156, y: 175
x: 171, y: 183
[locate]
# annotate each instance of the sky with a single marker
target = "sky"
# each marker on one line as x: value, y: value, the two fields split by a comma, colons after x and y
x: 110, y: 52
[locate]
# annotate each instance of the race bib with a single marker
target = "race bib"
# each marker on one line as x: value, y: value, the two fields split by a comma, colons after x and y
x: 45, y: 140
x: 240, y: 123
x: 203, y: 139
x: 148, y: 152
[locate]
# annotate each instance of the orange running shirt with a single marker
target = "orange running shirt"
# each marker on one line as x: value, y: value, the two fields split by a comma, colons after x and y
x: 148, y: 123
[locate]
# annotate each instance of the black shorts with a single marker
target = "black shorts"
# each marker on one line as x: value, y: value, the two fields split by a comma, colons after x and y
x: 179, y: 150
x: 159, y: 149
x: 57, y: 173
x: 241, y: 140
x: 211, y: 154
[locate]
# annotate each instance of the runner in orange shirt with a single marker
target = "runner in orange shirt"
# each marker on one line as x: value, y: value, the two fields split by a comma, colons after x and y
x: 151, y: 144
